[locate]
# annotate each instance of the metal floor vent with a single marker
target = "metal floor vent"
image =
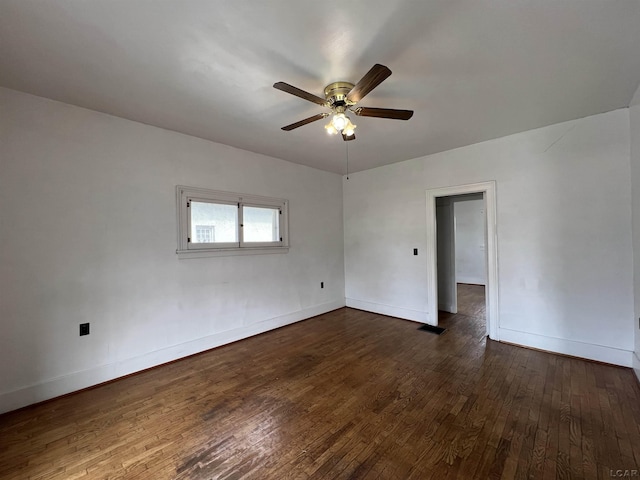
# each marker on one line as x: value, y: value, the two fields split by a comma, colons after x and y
x: 432, y: 329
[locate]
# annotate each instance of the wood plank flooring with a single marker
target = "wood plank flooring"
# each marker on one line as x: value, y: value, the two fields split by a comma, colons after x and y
x: 349, y: 394
x: 471, y: 302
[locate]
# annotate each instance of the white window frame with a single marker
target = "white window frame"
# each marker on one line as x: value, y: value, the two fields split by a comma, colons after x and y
x: 187, y: 249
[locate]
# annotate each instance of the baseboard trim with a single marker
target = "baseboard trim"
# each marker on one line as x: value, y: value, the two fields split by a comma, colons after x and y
x: 471, y: 280
x: 589, y: 351
x: 73, y: 382
x: 390, y: 310
x: 448, y: 308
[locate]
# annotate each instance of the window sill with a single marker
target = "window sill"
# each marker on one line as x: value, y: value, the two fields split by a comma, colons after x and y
x: 230, y: 252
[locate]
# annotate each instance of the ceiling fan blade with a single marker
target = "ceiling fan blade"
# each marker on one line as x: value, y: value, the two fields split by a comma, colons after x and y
x: 348, y: 138
x: 371, y: 80
x: 315, y: 118
x: 285, y: 87
x: 384, y: 113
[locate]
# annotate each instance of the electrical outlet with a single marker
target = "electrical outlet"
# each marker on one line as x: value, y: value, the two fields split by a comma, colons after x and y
x: 321, y: 284
x: 415, y: 251
x: 84, y: 329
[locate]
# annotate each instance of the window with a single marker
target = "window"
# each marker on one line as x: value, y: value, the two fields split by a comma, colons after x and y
x: 205, y: 233
x: 223, y: 223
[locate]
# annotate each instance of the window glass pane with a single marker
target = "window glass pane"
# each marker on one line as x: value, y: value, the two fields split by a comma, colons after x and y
x: 213, y: 222
x: 205, y: 234
x: 261, y: 224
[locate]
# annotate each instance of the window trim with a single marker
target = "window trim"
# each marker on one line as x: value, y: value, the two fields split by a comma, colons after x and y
x: 186, y: 249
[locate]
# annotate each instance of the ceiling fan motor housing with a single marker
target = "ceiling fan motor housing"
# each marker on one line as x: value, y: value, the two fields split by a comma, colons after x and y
x: 336, y: 94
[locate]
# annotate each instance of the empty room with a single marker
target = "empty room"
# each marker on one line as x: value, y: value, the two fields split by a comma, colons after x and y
x: 319, y: 240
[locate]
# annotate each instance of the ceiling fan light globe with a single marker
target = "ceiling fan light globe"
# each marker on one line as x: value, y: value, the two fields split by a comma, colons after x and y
x: 339, y: 121
x: 349, y: 128
x: 331, y: 130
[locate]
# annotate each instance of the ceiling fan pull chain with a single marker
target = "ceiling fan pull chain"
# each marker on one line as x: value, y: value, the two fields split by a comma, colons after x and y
x: 347, y: 145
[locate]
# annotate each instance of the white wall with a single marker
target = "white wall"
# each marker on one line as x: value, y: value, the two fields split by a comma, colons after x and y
x: 634, y: 121
x: 564, y: 234
x: 88, y: 234
x: 384, y: 221
x: 446, y: 256
x: 470, y: 220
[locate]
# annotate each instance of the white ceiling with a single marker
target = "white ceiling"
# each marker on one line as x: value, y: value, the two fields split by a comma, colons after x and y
x: 471, y: 69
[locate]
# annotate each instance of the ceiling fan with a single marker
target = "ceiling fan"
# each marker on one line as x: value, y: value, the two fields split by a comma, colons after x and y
x: 341, y: 97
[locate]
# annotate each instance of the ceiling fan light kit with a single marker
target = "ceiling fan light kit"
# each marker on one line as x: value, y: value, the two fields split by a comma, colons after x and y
x: 340, y: 123
x: 341, y: 97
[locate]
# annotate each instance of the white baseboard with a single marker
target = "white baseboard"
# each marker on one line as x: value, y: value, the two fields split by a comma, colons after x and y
x: 399, y: 312
x: 78, y: 380
x: 471, y: 280
x: 448, y: 308
x: 589, y: 351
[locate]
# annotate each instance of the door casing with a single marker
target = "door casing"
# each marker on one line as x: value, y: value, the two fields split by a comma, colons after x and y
x: 489, y: 191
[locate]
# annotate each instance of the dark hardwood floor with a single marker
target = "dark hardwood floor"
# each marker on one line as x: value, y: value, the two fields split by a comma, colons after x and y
x: 471, y: 311
x: 349, y: 394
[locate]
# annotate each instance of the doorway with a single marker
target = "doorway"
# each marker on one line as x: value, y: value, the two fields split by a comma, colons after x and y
x: 461, y: 253
x: 444, y: 287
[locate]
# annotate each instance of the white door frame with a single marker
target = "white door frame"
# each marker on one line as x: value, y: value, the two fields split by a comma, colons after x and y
x: 491, y: 292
